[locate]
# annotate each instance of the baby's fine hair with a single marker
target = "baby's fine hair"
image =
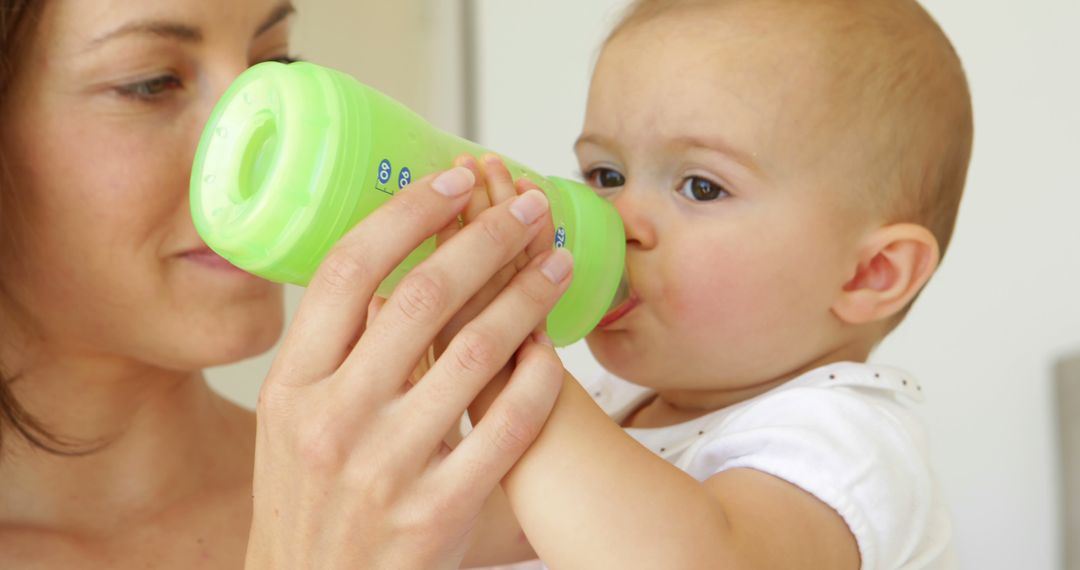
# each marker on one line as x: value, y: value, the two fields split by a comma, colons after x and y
x: 903, y: 90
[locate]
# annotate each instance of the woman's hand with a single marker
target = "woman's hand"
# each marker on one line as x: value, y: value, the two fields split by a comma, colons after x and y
x: 350, y: 466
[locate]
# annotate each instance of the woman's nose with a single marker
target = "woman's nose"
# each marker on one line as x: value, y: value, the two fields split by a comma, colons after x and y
x: 220, y: 76
x: 638, y: 215
x: 217, y: 76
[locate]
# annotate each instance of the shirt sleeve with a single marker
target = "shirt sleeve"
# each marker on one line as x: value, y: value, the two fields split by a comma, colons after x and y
x: 861, y: 453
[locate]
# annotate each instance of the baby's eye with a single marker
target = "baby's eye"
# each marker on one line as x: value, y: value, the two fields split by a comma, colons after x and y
x: 150, y: 89
x: 701, y: 190
x: 605, y: 178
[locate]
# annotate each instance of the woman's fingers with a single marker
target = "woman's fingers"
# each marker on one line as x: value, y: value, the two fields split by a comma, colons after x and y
x: 430, y: 294
x: 508, y: 428
x: 544, y: 240
x: 333, y: 310
x: 477, y: 200
x: 481, y: 349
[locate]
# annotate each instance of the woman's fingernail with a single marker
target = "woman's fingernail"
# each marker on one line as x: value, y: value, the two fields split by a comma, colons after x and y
x: 528, y: 207
x: 542, y: 338
x: 557, y: 266
x: 454, y: 182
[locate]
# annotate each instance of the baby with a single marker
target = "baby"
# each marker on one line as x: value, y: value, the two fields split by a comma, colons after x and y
x: 788, y: 172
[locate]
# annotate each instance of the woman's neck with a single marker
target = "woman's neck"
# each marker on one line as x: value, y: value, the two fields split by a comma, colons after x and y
x: 164, y: 436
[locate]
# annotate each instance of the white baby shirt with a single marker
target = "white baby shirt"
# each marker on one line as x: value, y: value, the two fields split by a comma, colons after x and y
x: 844, y: 433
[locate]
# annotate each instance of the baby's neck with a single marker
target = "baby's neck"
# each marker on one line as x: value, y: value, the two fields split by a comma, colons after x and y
x: 675, y: 406
x: 670, y: 407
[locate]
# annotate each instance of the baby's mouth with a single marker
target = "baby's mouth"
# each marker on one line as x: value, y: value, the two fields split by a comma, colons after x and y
x: 624, y: 302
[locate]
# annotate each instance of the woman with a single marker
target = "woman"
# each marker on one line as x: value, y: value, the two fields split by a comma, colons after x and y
x: 115, y: 453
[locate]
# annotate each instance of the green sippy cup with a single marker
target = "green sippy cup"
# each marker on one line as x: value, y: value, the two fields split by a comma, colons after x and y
x: 293, y: 156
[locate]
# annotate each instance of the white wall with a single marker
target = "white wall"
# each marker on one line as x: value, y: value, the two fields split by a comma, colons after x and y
x: 1004, y: 306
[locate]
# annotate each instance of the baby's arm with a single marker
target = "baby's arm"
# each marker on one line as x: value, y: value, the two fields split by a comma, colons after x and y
x: 589, y: 496
x: 497, y: 537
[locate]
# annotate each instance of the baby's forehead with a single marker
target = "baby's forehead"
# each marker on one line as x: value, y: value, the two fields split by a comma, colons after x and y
x: 781, y: 24
x: 841, y: 37
x: 796, y: 53
x: 724, y: 71
x: 836, y: 56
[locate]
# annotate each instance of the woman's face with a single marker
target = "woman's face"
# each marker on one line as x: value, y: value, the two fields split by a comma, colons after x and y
x: 99, y: 129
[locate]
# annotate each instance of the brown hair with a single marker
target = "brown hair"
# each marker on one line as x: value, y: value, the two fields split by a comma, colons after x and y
x: 905, y: 87
x: 17, y: 21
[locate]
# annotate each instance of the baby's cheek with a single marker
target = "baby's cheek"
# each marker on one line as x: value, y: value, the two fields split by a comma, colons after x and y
x: 711, y: 293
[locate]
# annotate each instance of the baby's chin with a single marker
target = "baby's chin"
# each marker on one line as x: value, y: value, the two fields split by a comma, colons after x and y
x: 616, y: 352
x: 715, y: 377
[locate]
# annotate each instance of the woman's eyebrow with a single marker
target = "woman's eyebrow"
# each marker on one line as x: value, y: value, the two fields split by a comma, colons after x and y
x: 283, y: 10
x: 185, y: 32
x: 160, y: 28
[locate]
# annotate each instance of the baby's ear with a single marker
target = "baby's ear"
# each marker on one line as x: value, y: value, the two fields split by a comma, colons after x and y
x: 893, y: 264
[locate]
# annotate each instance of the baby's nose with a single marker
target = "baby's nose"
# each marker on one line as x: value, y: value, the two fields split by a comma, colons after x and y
x: 637, y: 214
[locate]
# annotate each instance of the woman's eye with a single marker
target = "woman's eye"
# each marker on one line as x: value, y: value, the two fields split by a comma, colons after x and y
x: 151, y: 89
x: 286, y: 59
x: 605, y: 178
x: 702, y: 190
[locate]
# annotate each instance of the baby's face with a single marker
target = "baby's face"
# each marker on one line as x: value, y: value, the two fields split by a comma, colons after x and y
x: 711, y: 141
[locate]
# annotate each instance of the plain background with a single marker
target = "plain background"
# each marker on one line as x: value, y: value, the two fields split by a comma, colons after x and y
x: 986, y: 333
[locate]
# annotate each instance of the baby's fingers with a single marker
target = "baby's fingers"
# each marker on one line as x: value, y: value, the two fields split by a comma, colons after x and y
x: 481, y: 197
x: 499, y: 182
x: 501, y: 187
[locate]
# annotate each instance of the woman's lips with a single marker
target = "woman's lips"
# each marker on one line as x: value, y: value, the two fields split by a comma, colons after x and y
x: 208, y: 258
x: 619, y: 312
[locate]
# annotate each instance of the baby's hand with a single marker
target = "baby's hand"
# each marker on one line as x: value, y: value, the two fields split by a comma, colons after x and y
x: 494, y: 185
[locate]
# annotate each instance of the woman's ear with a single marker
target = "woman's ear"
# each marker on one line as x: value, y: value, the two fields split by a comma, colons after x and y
x: 893, y: 264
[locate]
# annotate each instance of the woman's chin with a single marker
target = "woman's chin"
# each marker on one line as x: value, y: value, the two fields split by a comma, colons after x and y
x: 232, y: 336
x: 196, y: 358
x: 246, y: 344
x: 238, y: 352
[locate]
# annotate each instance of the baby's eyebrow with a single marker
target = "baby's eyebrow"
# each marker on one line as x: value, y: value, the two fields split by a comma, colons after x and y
x: 745, y: 159
x: 590, y: 139
x: 715, y: 144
